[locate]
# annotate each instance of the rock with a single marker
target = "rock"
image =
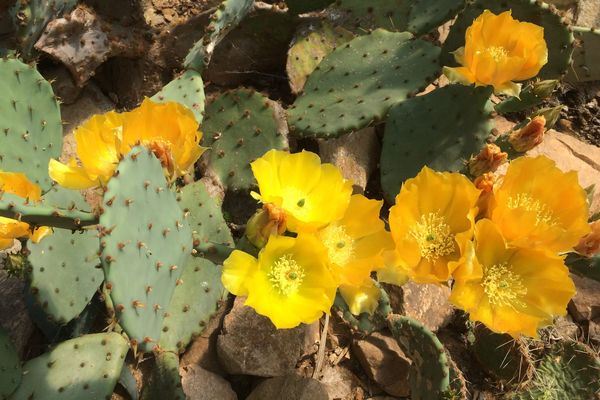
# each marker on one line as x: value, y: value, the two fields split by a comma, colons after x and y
x: 356, y: 154
x: 594, y: 331
x: 91, y: 102
x: 588, y: 13
x: 565, y: 328
x: 200, y: 384
x: 14, y: 317
x: 571, y: 154
x: 289, y: 387
x: 384, y: 362
x: 251, y: 345
x: 585, y: 305
x: 427, y: 303
x: 62, y: 84
x: 341, y: 383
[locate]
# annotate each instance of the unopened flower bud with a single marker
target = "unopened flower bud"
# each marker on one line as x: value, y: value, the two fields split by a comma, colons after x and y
x: 485, y: 183
x: 270, y: 220
x: 589, y: 245
x: 488, y: 160
x: 529, y: 136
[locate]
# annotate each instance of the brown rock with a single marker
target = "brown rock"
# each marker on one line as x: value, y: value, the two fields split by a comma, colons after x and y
x: 427, y: 303
x: 200, y: 384
x: 341, y: 383
x: 565, y: 328
x: 251, y: 345
x: 384, y: 362
x: 289, y: 387
x: 585, y: 305
x: 14, y: 317
x: 588, y: 13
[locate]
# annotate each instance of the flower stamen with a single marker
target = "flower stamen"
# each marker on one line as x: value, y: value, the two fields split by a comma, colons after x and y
x: 286, y: 275
x: 543, y: 215
x: 498, y: 53
x: 433, y: 236
x: 340, y: 245
x: 502, y: 286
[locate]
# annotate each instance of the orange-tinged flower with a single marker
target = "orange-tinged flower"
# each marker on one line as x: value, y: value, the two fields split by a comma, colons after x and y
x: 539, y: 206
x: 268, y: 221
x: 169, y: 130
x: 488, y: 160
x: 511, y: 290
x: 431, y: 223
x: 498, y: 51
x: 290, y: 282
x: 529, y: 136
x: 589, y: 245
x: 485, y: 183
x: 310, y: 193
x: 11, y: 229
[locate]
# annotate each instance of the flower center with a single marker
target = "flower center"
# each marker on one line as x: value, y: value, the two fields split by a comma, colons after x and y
x: 286, y: 275
x: 433, y: 236
x: 502, y: 286
x: 296, y: 202
x: 498, y: 53
x: 340, y: 246
x: 543, y: 215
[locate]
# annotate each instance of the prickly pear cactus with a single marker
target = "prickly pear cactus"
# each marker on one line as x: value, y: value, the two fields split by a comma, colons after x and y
x: 426, y: 15
x: 145, y: 241
x: 165, y: 381
x: 303, y: 6
x: 360, y: 81
x: 586, y: 56
x: 429, y: 375
x: 10, y: 366
x: 187, y: 89
x: 532, y: 95
x: 438, y: 130
x: 360, y: 15
x: 195, y: 300
x: 239, y: 127
x: 228, y: 16
x: 30, y: 124
x: 84, y: 368
x: 556, y: 32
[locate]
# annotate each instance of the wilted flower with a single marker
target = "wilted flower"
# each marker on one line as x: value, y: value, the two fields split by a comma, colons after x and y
x: 498, y: 51
x: 431, y: 223
x: 170, y: 130
x: 539, y: 206
x: 511, y: 290
x: 488, y: 160
x: 529, y: 136
x: 589, y: 245
x: 269, y: 220
x: 310, y: 193
x: 290, y: 282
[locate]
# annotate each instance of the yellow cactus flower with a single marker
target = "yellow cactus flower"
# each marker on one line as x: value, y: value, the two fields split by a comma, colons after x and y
x: 170, y: 130
x: 355, y: 243
x: 363, y: 298
x: 510, y: 289
x: 498, y: 51
x: 310, y: 193
x: 431, y: 223
x: 11, y: 229
x: 539, y: 206
x: 290, y: 282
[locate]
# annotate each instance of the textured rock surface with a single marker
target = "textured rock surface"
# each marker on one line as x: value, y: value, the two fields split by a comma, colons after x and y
x: 427, y: 303
x: 200, y: 384
x: 585, y: 305
x: 14, y: 317
x: 289, y: 387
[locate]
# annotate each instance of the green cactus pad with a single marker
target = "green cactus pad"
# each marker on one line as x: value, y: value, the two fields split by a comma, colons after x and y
x: 426, y: 15
x: 532, y: 95
x: 310, y: 48
x: 165, y: 381
x: 556, y: 32
x: 358, y: 83
x: 84, y: 368
x: 228, y: 16
x: 195, y: 300
x: 570, y: 370
x: 10, y: 366
x: 64, y: 274
x: 186, y: 89
x: 304, y: 6
x: 586, y: 266
x: 505, y: 358
x: 429, y: 374
x: 586, y: 56
x: 239, y: 127
x: 204, y: 215
x: 145, y: 241
x: 360, y: 15
x: 30, y: 124
x: 440, y: 130
x: 31, y: 17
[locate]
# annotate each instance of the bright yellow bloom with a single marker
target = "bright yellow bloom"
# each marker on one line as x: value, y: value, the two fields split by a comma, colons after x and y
x: 10, y: 229
x: 539, y: 206
x: 290, y: 282
x: 310, y: 193
x: 511, y: 290
x: 431, y: 223
x: 499, y: 50
x: 363, y: 298
x: 170, y: 130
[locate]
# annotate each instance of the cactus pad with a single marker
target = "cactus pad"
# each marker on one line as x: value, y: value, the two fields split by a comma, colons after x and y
x: 145, y: 241
x: 358, y: 83
x: 10, y: 366
x: 228, y: 16
x: 84, y: 368
x: 239, y: 127
x: 192, y: 305
x: 30, y: 124
x: 304, y: 6
x: 440, y: 130
x: 586, y: 56
x: 186, y: 89
x: 359, y: 15
x: 426, y: 15
x: 165, y: 381
x: 556, y: 32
